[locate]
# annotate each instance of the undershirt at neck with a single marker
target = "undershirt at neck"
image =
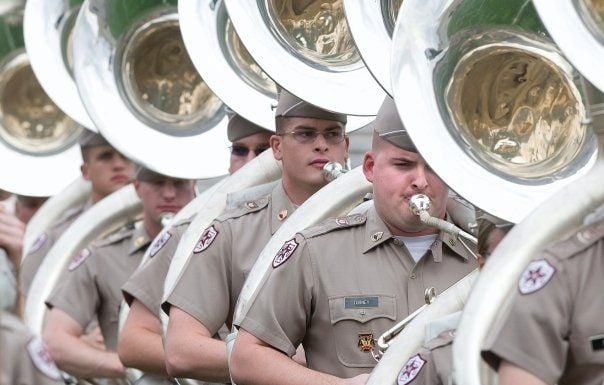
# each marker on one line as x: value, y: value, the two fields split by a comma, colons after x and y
x: 418, y: 246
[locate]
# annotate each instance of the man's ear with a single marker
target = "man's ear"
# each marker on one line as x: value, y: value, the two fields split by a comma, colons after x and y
x: 276, y: 142
x: 368, y: 165
x: 137, y: 186
x: 84, y: 171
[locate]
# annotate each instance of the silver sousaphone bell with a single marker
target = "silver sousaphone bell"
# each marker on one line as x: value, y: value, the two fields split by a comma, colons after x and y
x: 38, y: 142
x: 142, y: 90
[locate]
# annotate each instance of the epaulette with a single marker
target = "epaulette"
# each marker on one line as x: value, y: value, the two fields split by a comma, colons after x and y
x: 245, y: 208
x: 578, y: 242
x: 235, y: 199
x: 119, y: 235
x: 69, y: 215
x: 185, y: 221
x: 332, y: 224
x: 443, y: 339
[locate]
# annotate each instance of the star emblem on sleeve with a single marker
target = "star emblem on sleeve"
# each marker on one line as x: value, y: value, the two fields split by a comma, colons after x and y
x: 411, y: 369
x: 536, y: 275
x: 206, y: 239
x: 284, y: 253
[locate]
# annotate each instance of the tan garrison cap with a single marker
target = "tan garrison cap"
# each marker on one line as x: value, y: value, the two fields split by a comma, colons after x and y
x: 240, y: 127
x: 92, y: 139
x: 292, y: 106
x: 143, y: 174
x: 388, y: 125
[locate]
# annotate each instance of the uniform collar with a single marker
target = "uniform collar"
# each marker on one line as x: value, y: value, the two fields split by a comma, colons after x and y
x: 139, y: 240
x: 376, y: 233
x: 280, y: 206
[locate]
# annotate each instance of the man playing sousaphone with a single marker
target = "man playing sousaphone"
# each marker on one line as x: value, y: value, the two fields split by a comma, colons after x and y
x: 337, y: 286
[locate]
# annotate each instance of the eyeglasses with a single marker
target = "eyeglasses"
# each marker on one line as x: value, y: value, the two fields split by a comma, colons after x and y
x: 309, y: 136
x: 239, y: 150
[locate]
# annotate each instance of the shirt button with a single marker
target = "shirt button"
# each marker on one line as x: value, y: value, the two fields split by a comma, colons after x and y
x: 412, y: 276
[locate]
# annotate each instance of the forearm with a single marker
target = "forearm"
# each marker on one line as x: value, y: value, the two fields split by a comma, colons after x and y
x: 197, y: 356
x: 253, y: 364
x: 142, y: 349
x: 191, y: 351
x: 509, y: 374
x: 74, y: 356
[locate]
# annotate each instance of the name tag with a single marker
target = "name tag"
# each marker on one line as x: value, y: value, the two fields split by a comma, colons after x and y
x: 360, y: 302
x: 597, y: 342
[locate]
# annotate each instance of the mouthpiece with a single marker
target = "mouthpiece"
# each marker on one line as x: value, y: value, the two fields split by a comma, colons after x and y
x: 165, y: 218
x: 332, y: 171
x: 419, y: 203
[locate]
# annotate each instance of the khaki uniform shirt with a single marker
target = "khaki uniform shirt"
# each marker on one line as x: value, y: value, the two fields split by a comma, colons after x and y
x: 555, y: 328
x: 210, y: 285
x: 24, y: 359
x: 42, y: 245
x: 337, y: 286
x: 92, y: 284
x: 433, y: 364
x: 147, y: 282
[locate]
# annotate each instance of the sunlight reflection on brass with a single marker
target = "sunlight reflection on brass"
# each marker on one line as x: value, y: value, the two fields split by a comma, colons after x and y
x: 160, y: 80
x: 247, y: 67
x: 519, y: 108
x: 31, y: 122
x: 390, y: 10
x: 316, y: 28
x: 595, y: 14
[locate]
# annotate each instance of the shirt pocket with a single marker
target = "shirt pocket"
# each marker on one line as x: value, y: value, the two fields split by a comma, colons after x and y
x: 357, y: 322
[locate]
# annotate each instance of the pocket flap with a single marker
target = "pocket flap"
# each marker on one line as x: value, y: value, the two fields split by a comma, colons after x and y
x: 361, y: 308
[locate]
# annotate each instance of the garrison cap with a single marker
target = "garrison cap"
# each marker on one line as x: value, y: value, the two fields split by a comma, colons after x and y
x: 143, y: 174
x: 389, y: 126
x: 291, y: 106
x: 91, y: 139
x: 239, y: 128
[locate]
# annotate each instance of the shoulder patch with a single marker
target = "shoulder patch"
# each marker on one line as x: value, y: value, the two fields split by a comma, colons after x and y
x: 79, y: 259
x: 206, y: 239
x: 244, y: 208
x: 411, y: 369
x: 158, y: 243
x: 38, y: 243
x: 332, y: 224
x: 536, y: 276
x: 41, y: 358
x: 285, y: 252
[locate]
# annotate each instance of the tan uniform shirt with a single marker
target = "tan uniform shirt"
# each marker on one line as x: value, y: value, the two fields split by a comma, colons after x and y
x: 24, y: 359
x: 337, y: 286
x: 92, y: 284
x: 42, y: 245
x: 433, y: 365
x: 555, y: 329
x: 147, y: 282
x: 210, y: 285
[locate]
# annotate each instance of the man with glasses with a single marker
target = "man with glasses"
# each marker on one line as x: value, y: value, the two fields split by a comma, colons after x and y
x: 335, y: 287
x: 204, y: 298
x: 249, y: 140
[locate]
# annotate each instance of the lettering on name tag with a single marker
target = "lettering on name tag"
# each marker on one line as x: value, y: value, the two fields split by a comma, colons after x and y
x: 361, y: 302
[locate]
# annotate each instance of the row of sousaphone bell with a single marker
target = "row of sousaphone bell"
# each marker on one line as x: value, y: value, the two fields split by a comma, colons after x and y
x: 502, y: 103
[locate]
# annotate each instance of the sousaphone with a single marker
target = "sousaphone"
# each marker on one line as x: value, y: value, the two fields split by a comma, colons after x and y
x: 221, y: 58
x: 372, y: 24
x: 38, y: 142
x: 305, y: 47
x: 516, y: 120
x: 142, y: 90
